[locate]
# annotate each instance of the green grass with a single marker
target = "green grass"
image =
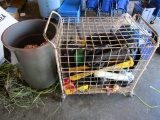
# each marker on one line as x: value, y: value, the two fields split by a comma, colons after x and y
x: 15, y: 92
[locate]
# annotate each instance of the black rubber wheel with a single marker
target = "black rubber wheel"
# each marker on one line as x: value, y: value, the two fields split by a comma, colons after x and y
x: 152, y: 22
x: 62, y: 99
x: 158, y: 50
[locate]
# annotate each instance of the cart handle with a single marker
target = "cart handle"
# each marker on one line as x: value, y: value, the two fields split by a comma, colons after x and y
x: 140, y: 17
x: 60, y: 26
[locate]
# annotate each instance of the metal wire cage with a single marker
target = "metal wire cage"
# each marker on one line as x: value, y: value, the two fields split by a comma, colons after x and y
x: 103, y: 54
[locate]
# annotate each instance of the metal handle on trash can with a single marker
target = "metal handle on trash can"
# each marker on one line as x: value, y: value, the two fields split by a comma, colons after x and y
x: 58, y: 30
x: 13, y: 58
x: 60, y: 25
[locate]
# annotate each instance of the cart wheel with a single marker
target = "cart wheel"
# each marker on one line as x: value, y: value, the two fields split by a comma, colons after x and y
x: 158, y: 50
x: 129, y: 94
x: 152, y: 22
x: 63, y: 98
x: 108, y: 93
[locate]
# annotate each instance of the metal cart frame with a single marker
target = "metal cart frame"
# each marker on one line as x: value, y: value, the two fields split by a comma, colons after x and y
x: 79, y: 75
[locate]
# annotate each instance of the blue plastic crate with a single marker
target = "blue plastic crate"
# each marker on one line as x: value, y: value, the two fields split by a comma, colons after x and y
x: 70, y: 8
x: 12, y: 10
x: 73, y: 19
x: 75, y: 16
x: 93, y: 4
x: 128, y: 33
x: 106, y: 5
x: 146, y: 48
x: 120, y: 5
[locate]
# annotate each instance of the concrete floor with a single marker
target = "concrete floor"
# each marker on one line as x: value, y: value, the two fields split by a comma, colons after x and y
x: 97, y: 106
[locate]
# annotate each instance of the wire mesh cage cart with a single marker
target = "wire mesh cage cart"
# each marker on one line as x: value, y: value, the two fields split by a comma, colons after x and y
x: 103, y: 54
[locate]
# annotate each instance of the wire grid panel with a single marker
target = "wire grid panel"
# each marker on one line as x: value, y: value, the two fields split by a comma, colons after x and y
x: 104, y: 54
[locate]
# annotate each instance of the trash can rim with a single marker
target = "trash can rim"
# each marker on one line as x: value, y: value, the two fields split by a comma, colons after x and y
x: 14, y: 48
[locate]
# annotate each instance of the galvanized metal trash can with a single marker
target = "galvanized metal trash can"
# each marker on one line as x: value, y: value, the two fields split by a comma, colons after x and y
x: 37, y: 65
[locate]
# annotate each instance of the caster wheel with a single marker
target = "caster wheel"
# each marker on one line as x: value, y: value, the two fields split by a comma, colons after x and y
x: 63, y: 98
x: 130, y: 94
x: 158, y: 50
x: 152, y: 22
x: 61, y: 101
